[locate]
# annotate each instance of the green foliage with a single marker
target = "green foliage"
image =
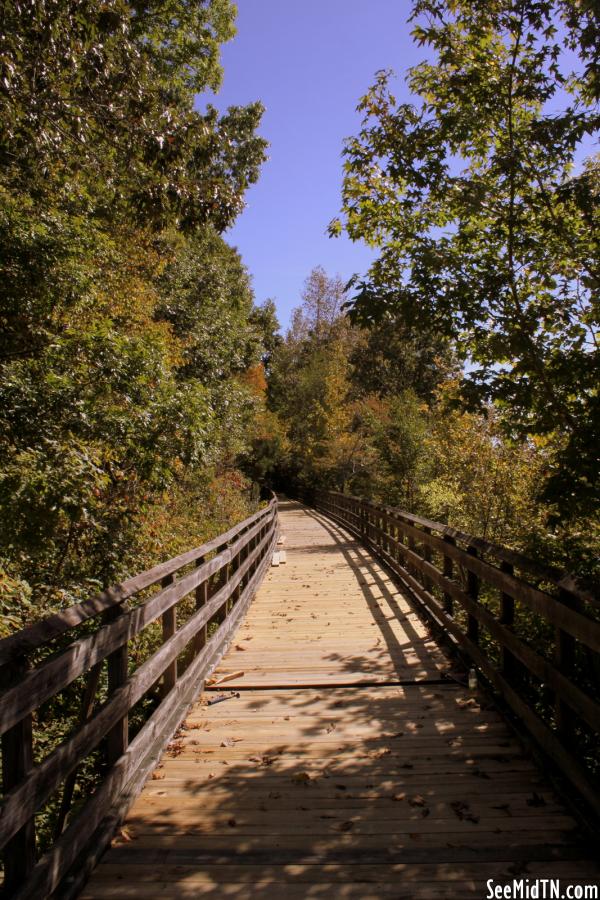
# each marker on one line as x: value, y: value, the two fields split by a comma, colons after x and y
x: 390, y: 358
x: 487, y: 228
x: 127, y: 324
x: 373, y: 412
x: 126, y: 320
x: 99, y: 99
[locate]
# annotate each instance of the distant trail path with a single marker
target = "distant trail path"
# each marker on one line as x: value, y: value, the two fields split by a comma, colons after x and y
x: 347, y: 767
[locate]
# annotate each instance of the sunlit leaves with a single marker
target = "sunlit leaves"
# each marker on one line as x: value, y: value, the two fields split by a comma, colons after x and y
x: 485, y: 219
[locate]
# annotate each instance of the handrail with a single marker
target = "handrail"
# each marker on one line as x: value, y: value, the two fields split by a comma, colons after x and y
x: 489, y: 613
x: 44, y: 631
x: 227, y: 572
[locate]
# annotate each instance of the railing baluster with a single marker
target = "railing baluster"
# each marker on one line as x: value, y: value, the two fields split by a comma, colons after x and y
x: 201, y: 599
x: 473, y: 592
x: 169, y: 627
x: 412, y: 545
x: 448, y: 573
x: 564, y: 656
x: 427, y: 583
x: 507, y: 618
x: 221, y: 578
x: 17, y: 761
x: 117, y: 738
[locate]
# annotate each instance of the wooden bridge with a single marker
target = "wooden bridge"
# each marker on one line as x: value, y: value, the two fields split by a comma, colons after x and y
x: 337, y: 749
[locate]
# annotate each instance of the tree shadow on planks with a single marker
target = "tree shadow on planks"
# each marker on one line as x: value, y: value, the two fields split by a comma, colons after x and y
x: 366, y: 792
x: 381, y: 596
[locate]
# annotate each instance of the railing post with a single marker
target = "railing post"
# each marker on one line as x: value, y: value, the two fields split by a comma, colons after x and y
x: 507, y: 618
x: 117, y: 738
x: 412, y: 545
x: 427, y: 583
x: 221, y: 579
x: 564, y: 657
x: 201, y: 598
x: 448, y: 573
x: 17, y: 760
x: 235, y: 594
x: 169, y: 627
x: 473, y: 592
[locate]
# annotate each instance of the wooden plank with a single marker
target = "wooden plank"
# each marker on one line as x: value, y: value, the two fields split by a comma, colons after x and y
x: 580, y: 626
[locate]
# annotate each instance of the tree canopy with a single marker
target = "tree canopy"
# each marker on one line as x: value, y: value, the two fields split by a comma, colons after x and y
x: 126, y: 320
x: 487, y: 219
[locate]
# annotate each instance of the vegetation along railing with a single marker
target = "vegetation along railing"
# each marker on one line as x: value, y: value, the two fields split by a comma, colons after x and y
x: 136, y: 656
x: 533, y: 635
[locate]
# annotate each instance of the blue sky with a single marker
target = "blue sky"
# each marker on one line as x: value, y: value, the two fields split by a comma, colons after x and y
x: 309, y: 63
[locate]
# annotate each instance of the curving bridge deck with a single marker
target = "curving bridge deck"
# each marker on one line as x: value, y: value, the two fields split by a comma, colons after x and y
x: 349, y: 765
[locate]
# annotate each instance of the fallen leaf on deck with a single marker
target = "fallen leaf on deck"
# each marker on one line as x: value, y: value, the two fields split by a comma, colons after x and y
x: 378, y: 754
x: 301, y: 778
x: 463, y: 812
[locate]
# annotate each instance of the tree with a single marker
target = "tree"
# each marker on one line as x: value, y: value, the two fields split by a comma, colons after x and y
x: 99, y: 99
x: 323, y: 297
x: 389, y: 358
x: 125, y: 319
x: 488, y: 227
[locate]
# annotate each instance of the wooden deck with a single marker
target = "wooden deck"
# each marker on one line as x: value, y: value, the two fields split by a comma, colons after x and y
x: 348, y: 767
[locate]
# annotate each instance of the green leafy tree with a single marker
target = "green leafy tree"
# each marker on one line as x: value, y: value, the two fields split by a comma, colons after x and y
x: 487, y: 225
x: 390, y: 358
x: 98, y: 99
x: 124, y: 316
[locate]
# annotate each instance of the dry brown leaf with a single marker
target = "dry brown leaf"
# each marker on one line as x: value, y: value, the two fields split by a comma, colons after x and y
x: 301, y: 778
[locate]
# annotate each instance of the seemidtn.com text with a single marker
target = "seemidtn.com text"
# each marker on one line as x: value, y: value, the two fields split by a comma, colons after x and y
x: 541, y: 889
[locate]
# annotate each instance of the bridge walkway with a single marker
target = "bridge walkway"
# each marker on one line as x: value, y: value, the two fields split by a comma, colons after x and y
x: 350, y: 765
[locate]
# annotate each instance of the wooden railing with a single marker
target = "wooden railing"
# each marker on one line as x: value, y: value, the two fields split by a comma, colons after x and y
x: 211, y: 587
x: 533, y: 635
